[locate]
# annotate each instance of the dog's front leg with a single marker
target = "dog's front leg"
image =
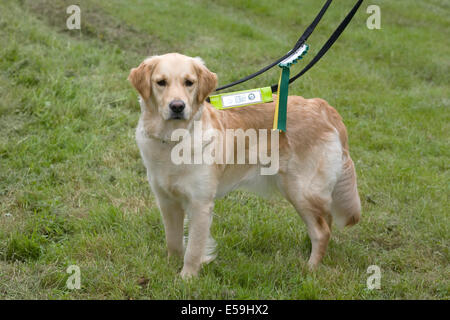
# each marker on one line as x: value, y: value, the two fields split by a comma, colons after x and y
x: 173, y: 216
x: 199, y: 228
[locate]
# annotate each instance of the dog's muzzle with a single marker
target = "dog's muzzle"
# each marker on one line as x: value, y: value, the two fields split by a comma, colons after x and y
x: 177, y: 109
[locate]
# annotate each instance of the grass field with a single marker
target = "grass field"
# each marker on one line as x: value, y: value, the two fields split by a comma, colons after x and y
x: 73, y: 189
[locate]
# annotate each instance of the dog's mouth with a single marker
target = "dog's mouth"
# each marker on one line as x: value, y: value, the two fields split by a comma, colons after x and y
x: 177, y: 117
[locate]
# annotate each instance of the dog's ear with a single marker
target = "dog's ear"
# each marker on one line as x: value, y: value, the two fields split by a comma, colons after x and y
x: 207, y: 80
x: 140, y: 77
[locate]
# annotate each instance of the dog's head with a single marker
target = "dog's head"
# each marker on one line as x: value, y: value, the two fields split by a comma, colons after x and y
x: 173, y: 85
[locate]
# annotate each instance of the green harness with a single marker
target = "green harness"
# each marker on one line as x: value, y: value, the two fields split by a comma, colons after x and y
x: 262, y: 95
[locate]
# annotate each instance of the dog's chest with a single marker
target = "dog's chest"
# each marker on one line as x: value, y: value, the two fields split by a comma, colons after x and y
x: 186, y: 180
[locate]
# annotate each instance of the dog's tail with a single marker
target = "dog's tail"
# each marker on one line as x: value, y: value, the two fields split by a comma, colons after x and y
x: 211, y: 244
x: 346, y: 205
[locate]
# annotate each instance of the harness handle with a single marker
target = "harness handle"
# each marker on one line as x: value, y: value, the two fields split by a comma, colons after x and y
x: 326, y: 46
x: 299, y: 43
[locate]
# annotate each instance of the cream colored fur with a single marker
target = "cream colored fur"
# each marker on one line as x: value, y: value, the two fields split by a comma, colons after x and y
x: 316, y: 173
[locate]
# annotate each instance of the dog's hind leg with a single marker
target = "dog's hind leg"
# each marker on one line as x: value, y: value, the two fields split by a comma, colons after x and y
x: 314, y: 209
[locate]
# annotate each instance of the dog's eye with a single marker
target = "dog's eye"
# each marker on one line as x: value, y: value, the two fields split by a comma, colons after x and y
x: 161, y: 83
x: 188, y: 83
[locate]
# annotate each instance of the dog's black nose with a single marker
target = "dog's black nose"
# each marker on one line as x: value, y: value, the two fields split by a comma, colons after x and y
x: 177, y: 106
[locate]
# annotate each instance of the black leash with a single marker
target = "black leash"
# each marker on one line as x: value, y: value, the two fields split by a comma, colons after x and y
x: 300, y: 42
x: 326, y: 46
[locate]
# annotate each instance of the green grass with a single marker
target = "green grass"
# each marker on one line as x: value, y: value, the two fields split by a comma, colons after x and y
x: 73, y: 187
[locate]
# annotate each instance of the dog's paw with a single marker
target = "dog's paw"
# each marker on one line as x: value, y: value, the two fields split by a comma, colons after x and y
x: 188, y: 273
x: 313, y: 265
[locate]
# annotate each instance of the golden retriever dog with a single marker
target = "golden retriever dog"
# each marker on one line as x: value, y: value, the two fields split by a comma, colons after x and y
x: 315, y: 172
